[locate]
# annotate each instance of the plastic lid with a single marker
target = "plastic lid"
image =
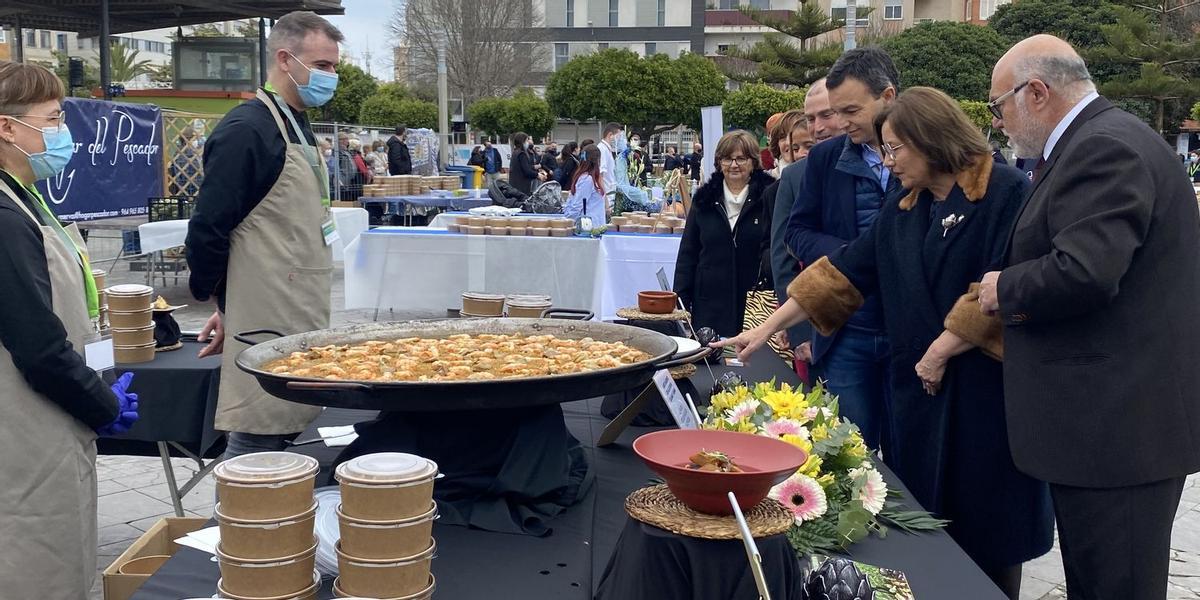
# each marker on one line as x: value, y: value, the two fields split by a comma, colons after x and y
x: 386, y: 467
x: 482, y: 296
x: 266, y: 467
x: 130, y: 289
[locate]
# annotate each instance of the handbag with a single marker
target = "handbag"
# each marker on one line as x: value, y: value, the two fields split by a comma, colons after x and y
x: 760, y: 305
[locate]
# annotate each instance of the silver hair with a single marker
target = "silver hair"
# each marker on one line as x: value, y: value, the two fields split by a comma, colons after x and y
x: 289, y: 31
x: 1067, y: 75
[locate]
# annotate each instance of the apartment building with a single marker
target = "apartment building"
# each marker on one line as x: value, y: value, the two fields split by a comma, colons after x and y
x: 41, y: 45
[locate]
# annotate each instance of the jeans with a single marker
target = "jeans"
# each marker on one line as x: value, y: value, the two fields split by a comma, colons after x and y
x: 857, y: 369
x: 238, y: 443
x: 489, y: 179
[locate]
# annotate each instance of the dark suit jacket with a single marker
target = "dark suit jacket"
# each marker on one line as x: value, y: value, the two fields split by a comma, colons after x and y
x: 784, y: 266
x: 1101, y: 305
x: 399, y: 161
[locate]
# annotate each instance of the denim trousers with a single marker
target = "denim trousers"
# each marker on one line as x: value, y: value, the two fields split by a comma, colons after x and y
x: 857, y: 368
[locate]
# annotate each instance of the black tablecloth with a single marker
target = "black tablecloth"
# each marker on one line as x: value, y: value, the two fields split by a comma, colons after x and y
x: 177, y: 398
x: 474, y: 564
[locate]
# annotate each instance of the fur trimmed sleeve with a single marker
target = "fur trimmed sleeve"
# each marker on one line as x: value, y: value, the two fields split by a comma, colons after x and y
x: 969, y: 323
x: 826, y: 295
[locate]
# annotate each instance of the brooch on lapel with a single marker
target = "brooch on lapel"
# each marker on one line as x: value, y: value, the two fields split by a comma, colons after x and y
x: 949, y: 222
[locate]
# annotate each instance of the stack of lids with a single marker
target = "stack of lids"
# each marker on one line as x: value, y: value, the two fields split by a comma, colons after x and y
x: 386, y: 525
x: 266, y: 513
x: 132, y: 320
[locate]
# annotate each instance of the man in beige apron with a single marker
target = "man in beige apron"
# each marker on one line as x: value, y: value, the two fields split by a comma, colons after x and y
x: 277, y: 273
x: 55, y: 491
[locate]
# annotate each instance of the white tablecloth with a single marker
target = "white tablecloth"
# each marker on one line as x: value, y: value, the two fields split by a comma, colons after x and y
x: 163, y: 235
x: 419, y: 268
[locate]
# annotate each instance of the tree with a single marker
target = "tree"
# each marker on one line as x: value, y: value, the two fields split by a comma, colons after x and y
x: 649, y: 95
x: 1077, y: 21
x: 392, y: 105
x: 790, y: 55
x: 504, y: 116
x: 1166, y: 68
x: 1196, y: 112
x: 979, y: 114
x: 247, y: 28
x: 124, y: 64
x: 61, y: 67
x: 206, y: 30
x: 163, y: 74
x: 749, y: 107
x: 354, y: 86
x: 956, y: 58
x: 490, y: 45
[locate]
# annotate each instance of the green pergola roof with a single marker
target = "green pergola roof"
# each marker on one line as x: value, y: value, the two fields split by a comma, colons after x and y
x: 83, y: 16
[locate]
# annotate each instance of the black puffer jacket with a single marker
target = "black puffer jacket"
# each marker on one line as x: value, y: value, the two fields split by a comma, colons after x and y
x: 716, y: 265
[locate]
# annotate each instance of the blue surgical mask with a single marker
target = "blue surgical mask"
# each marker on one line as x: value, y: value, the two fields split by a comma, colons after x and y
x: 320, y: 87
x: 60, y: 147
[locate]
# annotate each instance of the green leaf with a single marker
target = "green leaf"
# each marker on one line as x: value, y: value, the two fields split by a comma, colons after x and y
x: 911, y: 521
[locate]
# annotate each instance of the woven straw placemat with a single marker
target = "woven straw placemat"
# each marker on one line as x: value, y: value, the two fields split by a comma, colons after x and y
x: 657, y: 506
x: 633, y: 314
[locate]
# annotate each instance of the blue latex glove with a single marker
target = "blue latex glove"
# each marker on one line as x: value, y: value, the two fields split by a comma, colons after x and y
x: 127, y: 414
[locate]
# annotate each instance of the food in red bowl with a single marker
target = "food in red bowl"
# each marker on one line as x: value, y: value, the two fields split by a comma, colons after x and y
x: 761, y: 462
x: 657, y: 303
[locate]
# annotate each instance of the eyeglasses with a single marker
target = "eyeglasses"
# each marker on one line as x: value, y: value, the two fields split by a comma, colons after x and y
x: 890, y: 150
x: 994, y: 106
x: 739, y: 161
x: 55, y: 119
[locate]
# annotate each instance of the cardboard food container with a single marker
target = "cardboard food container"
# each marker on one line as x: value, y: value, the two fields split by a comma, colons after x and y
x: 465, y: 220
x: 540, y: 232
x: 268, y: 578
x: 472, y: 230
x: 562, y: 223
x: 386, y: 540
x: 133, y: 337
x: 517, y: 230
x: 159, y: 540
x: 497, y: 230
x: 385, y: 578
x: 120, y: 319
x: 452, y: 227
x: 477, y: 221
x: 129, y: 297
x: 528, y: 308
x: 101, y: 278
x: 498, y: 221
x: 560, y: 232
x: 266, y: 485
x: 309, y: 593
x: 539, y: 223
x: 263, y: 539
x: 387, y: 486
x: 424, y: 594
x: 128, y: 355
x: 483, y: 305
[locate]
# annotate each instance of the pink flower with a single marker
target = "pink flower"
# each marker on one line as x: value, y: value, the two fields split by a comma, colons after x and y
x: 745, y: 410
x: 803, y: 496
x: 874, y: 490
x: 782, y: 427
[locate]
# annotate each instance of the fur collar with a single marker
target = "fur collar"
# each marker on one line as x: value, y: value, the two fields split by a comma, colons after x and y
x: 973, y: 181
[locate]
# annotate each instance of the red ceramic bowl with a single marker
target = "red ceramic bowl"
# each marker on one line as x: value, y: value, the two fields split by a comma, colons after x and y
x: 765, y: 462
x: 657, y: 302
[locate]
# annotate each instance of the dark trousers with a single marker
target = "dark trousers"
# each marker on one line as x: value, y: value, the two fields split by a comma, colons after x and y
x: 1116, y: 542
x: 857, y: 368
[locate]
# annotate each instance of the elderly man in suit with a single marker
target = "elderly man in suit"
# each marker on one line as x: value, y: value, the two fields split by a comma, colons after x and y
x: 1098, y: 301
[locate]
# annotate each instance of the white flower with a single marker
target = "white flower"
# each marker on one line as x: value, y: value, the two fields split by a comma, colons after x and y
x: 874, y: 490
x: 743, y: 410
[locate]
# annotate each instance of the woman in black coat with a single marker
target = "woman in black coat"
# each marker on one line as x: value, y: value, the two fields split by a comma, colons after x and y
x: 567, y: 163
x: 724, y: 251
x: 523, y: 172
x: 926, y: 248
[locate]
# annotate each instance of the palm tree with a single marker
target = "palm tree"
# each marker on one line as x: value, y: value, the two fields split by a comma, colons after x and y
x: 125, y: 65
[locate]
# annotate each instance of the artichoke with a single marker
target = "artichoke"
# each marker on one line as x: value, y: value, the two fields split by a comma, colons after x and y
x: 838, y: 579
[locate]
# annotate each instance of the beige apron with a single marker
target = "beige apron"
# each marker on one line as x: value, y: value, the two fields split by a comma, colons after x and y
x: 47, y: 460
x: 280, y: 277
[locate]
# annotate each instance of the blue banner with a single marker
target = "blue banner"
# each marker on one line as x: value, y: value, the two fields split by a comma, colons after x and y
x: 117, y: 164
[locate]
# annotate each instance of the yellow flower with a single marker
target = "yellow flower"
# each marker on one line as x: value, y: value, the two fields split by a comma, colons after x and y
x: 798, y: 442
x: 812, y: 466
x: 826, y: 480
x: 820, y: 433
x: 856, y: 448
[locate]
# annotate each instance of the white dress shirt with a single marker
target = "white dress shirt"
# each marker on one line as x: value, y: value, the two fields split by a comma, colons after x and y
x: 608, y: 167
x: 1065, y: 123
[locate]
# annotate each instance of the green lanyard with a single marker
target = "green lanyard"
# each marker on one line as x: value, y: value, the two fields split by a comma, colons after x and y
x: 89, y: 281
x: 310, y: 152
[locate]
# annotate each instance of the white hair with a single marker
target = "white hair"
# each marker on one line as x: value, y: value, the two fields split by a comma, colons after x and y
x: 1066, y: 74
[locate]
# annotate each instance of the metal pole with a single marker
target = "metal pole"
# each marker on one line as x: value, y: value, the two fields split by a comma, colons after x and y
x: 851, y: 18
x: 443, y: 106
x: 19, y: 43
x: 262, y: 51
x: 105, y: 52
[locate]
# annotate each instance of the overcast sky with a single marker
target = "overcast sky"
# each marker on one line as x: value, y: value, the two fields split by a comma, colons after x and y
x: 365, y: 25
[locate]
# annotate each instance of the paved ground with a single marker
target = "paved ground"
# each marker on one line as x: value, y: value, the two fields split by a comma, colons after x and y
x: 133, y: 492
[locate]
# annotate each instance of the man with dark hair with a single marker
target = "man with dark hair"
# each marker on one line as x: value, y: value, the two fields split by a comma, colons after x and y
x: 492, y: 162
x: 549, y: 162
x: 672, y: 161
x: 694, y: 161
x: 609, y: 145
x: 399, y: 160
x: 843, y: 188
x: 259, y: 241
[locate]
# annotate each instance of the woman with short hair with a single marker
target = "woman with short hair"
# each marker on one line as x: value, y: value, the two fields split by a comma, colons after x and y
x: 723, y: 253
x: 930, y: 244
x: 52, y: 405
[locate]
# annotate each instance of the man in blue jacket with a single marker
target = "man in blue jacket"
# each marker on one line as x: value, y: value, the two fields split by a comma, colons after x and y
x: 844, y: 186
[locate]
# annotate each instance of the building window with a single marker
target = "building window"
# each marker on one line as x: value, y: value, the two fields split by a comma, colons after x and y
x: 602, y: 46
x: 893, y: 10
x: 651, y: 48
x: 562, y: 53
x: 3, y: 36
x: 45, y: 39
x: 722, y: 49
x: 31, y: 38
x: 987, y: 8
x: 62, y: 42
x: 837, y: 12
x: 662, y: 13
x: 613, y: 6
x: 971, y: 16
x: 570, y: 13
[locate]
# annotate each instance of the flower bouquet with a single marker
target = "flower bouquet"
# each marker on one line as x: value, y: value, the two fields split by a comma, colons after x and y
x: 838, y: 497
